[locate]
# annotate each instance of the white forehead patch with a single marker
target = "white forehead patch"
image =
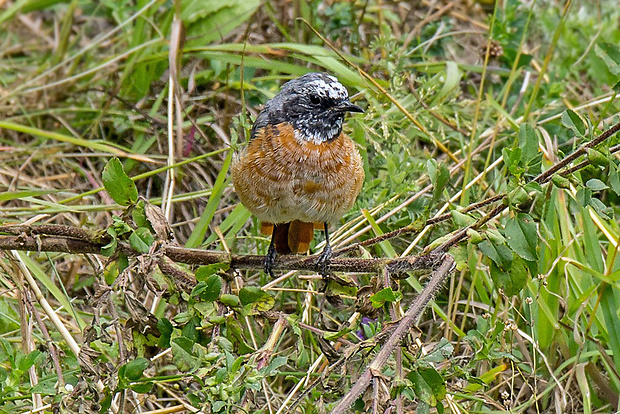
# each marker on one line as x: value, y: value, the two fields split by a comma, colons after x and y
x: 332, y: 89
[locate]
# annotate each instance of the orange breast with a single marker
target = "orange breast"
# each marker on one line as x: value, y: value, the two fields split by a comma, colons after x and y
x: 280, y: 178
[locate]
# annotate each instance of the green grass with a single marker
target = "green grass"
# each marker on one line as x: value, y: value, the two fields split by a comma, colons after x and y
x: 527, y: 323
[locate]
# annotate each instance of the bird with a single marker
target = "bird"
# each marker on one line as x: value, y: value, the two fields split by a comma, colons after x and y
x: 300, y: 171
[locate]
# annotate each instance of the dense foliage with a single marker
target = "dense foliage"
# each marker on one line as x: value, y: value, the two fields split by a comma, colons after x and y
x: 108, y: 108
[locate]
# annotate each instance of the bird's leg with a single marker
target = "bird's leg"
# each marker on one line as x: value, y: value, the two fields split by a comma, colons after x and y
x: 270, y: 258
x: 322, y: 262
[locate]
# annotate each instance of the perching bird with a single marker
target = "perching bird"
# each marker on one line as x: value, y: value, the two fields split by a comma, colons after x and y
x: 300, y: 171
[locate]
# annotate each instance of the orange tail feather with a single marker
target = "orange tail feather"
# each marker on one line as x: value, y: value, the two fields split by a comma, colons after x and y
x: 300, y: 236
x: 293, y: 237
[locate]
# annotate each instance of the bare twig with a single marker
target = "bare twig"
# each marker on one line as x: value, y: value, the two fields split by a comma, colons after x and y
x: 411, y: 316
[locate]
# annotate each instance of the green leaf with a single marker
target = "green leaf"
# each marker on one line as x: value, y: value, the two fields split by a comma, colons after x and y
x: 230, y: 300
x: 609, y: 53
x: 16, y: 195
x: 514, y: 280
x: 450, y: 80
x: 528, y: 142
x: 29, y: 360
x: 134, y: 369
x: 435, y: 382
x: 260, y: 300
x: 334, y: 335
x: 596, y: 185
x: 139, y: 216
x: 120, y: 187
x: 440, y: 353
x: 273, y: 366
x: 560, y: 182
x: 462, y: 219
x: 500, y: 254
x: 439, y: 175
x: 142, y: 387
x: 571, y: 120
x: 422, y: 389
x: 204, y: 272
x: 141, y: 240
x: 208, y: 290
x: 513, y: 162
x: 521, y: 236
x: 217, y: 320
x: 207, y: 21
x: 614, y: 178
x: 385, y: 295
x: 597, y: 158
x: 473, y: 236
x: 182, y: 354
x: 518, y: 196
x: 165, y: 330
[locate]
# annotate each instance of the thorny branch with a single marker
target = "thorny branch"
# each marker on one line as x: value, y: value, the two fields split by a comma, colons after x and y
x: 59, y: 238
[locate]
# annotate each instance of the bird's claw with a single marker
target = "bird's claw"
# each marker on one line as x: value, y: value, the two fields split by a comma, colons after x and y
x: 322, y: 263
x: 270, y: 259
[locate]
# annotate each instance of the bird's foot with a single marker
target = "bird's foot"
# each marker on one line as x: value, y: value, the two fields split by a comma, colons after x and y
x: 270, y: 259
x: 322, y: 263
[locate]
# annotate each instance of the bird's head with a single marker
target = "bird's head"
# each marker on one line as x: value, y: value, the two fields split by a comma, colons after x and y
x: 314, y: 104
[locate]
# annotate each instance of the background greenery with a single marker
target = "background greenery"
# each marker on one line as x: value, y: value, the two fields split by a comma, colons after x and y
x: 489, y: 93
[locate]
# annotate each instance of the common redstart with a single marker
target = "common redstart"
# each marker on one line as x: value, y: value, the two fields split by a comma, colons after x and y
x: 300, y: 171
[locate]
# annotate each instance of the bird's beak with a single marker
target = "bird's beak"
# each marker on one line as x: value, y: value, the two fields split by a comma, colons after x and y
x: 347, y: 106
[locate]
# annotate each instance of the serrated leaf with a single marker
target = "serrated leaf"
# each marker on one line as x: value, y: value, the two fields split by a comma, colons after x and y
x: 521, y: 236
x: 120, y: 187
x: 571, y: 120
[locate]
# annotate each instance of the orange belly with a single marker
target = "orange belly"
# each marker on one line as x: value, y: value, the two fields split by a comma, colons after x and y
x: 281, y: 179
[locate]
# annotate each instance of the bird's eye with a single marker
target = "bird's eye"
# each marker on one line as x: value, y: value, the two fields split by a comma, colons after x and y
x: 315, y: 100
